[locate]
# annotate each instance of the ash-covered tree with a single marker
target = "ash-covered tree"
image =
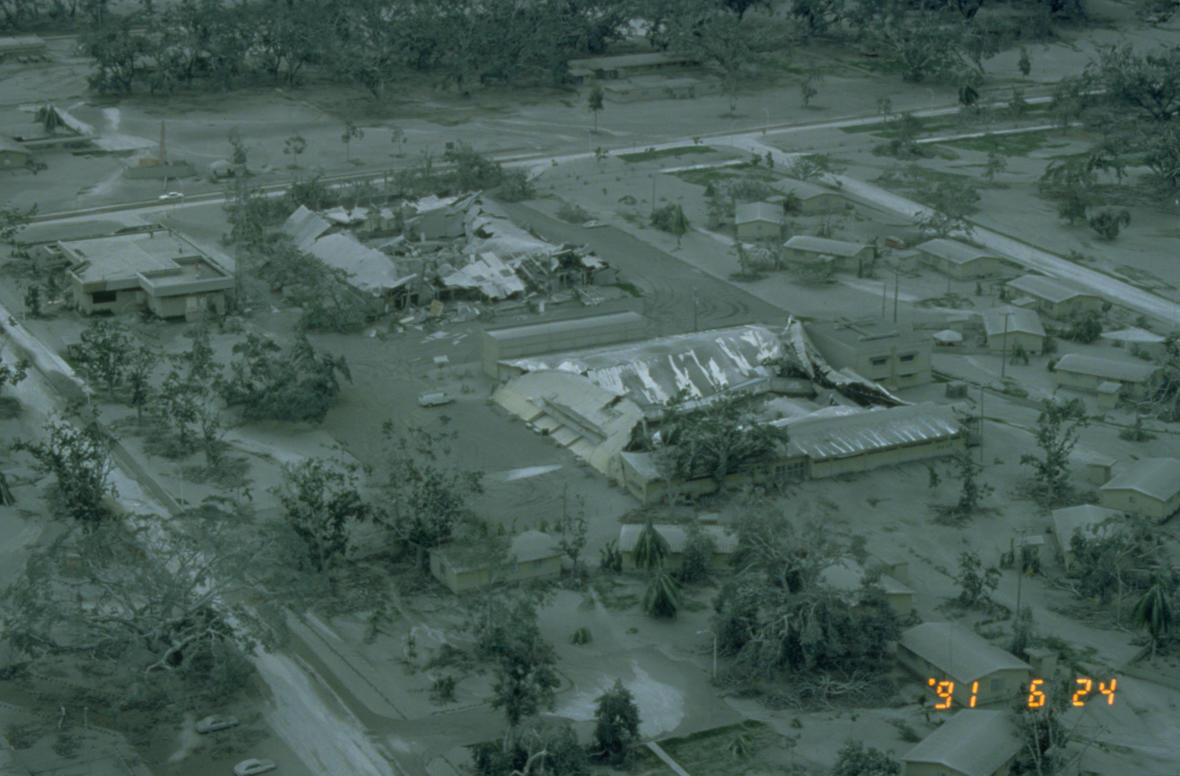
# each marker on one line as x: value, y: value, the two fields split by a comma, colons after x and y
x: 595, y: 104
x: 671, y: 219
x: 950, y: 202
x: 1070, y: 183
x: 696, y: 559
x: 572, y: 539
x: 77, y: 454
x: 322, y: 504
x: 139, y: 371
x: 11, y: 374
x: 524, y: 665
x: 976, y: 584
x: 1153, y: 612
x: 272, y: 383
x: 538, y: 747
x: 426, y: 493
x: 616, y: 725
x: 662, y: 599
x: 855, y: 759
x: 651, y: 548
x: 1056, y: 433
x: 1115, y: 558
x: 1043, y: 732
x: 103, y: 353
x: 972, y: 492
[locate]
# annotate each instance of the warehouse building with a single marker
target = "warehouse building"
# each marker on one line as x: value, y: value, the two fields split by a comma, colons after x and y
x: 1055, y: 297
x: 962, y: 261
x: 758, y: 221
x: 943, y: 651
x: 846, y: 256
x: 532, y: 555
x: 885, y: 353
x: 1149, y: 487
x: 1101, y: 375
x: 811, y: 199
x: 1070, y: 521
x: 973, y: 742
x: 1005, y: 328
x: 537, y: 338
x: 156, y: 269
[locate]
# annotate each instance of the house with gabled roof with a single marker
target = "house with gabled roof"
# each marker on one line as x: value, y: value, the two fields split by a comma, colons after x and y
x: 943, y: 651
x: 810, y: 198
x: 756, y: 221
x: 1069, y: 522
x: 974, y: 742
x: 1006, y: 327
x: 1149, y: 487
x: 1099, y: 374
x: 466, y: 566
x: 963, y: 261
x: 843, y: 255
x: 1057, y: 297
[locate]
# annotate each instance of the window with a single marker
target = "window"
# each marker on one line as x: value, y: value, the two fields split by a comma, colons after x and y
x: 906, y: 357
x: 879, y: 360
x: 103, y: 297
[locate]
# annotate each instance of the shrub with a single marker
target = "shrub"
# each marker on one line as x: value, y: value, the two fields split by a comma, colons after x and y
x: 1107, y: 223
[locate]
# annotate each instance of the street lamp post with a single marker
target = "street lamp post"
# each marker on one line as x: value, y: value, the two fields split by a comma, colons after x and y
x: 714, y: 635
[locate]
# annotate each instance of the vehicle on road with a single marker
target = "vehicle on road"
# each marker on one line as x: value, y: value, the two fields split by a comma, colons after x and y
x: 171, y: 195
x: 216, y: 722
x: 253, y: 766
x: 434, y: 399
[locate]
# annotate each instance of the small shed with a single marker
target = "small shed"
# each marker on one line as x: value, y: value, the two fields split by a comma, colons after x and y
x: 962, y: 261
x: 805, y: 249
x: 1008, y: 327
x: 756, y: 221
x: 1068, y: 521
x: 1149, y: 487
x: 724, y: 543
x: 532, y: 555
x: 974, y: 742
x: 946, y: 652
x: 811, y: 198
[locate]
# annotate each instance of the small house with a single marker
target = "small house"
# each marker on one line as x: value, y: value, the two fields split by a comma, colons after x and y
x: 1056, y: 297
x: 1137, y: 340
x: 849, y: 578
x: 805, y: 249
x: 724, y: 543
x: 943, y: 651
x: 962, y: 261
x: 811, y: 199
x: 974, y: 742
x: 757, y: 221
x: 1069, y: 521
x: 1006, y: 328
x: 1094, y: 468
x: 532, y: 555
x: 1085, y: 373
x: 1149, y: 487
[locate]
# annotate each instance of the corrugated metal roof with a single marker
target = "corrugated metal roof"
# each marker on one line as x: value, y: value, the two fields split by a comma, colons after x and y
x: 492, y: 277
x: 1050, y: 289
x: 1107, y: 368
x: 1069, y: 520
x: 1135, y: 335
x: 549, y: 329
x: 656, y: 370
x: 1019, y: 321
x: 748, y: 212
x: 824, y: 435
x: 304, y: 226
x: 960, y: 654
x: 805, y: 242
x: 974, y: 742
x: 1155, y: 477
x: 367, y: 269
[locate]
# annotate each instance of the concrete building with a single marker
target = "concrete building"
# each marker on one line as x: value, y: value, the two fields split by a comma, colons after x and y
x: 159, y: 270
x: 627, y: 65
x: 1069, y: 521
x: 805, y: 249
x: 758, y: 221
x: 812, y: 199
x: 1055, y: 297
x: 532, y: 555
x: 848, y: 578
x: 536, y: 338
x: 890, y: 354
x: 962, y: 261
x: 639, y: 473
x: 1007, y: 327
x: 1137, y: 340
x: 1088, y: 374
x: 12, y: 153
x: 724, y: 543
x: 946, y: 652
x: 1149, y: 487
x: 974, y: 742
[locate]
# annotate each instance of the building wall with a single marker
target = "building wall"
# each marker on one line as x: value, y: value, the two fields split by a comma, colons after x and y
x: 1137, y: 503
x: 883, y: 362
x: 191, y: 307
x: 888, y: 457
x: 471, y: 579
x: 842, y: 262
x: 998, y: 687
x: 820, y: 204
x: 1089, y: 383
x: 983, y: 267
x: 1071, y: 307
x: 594, y: 334
x: 901, y: 603
x: 1032, y: 343
x: 929, y: 769
x: 754, y: 231
x: 13, y: 158
x: 124, y: 301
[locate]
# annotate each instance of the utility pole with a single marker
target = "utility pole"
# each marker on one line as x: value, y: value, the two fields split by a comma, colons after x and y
x: 1004, y: 361
x: 694, y: 310
x: 884, y: 296
x: 981, y: 424
x: 896, y: 281
x: 653, y: 193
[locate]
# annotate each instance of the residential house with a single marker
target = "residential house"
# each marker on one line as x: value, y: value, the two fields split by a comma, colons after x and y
x: 885, y: 353
x: 811, y: 199
x: 157, y: 269
x: 1149, y: 487
x: 1137, y: 340
x: 1056, y: 297
x: 973, y: 742
x: 724, y: 543
x: 627, y: 65
x: 1094, y: 468
x: 1069, y: 521
x: 757, y: 221
x: 962, y: 261
x: 805, y: 249
x: 531, y: 555
x: 848, y: 578
x: 12, y: 153
x: 1008, y: 327
x: 943, y: 651
x: 1099, y: 374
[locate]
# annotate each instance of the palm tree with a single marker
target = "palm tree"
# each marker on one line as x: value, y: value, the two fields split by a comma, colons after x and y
x: 651, y: 548
x: 1154, y: 610
x: 662, y: 598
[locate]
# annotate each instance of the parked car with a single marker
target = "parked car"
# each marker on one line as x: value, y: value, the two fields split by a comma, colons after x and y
x: 215, y: 723
x: 434, y: 399
x: 171, y: 195
x: 253, y: 766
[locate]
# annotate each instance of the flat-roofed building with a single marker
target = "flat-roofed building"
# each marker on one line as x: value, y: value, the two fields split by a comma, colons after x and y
x: 1056, y: 297
x: 947, y: 652
x: 810, y: 198
x: 1070, y: 521
x: 1086, y: 373
x: 1007, y: 327
x: 757, y: 221
x: 156, y: 269
x: 805, y: 249
x: 974, y: 742
x: 1149, y: 487
x: 531, y: 555
x: 962, y: 261
x: 890, y: 354
x: 536, y: 338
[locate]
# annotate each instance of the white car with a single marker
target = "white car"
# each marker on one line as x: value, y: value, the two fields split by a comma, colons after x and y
x: 171, y: 195
x: 215, y: 723
x: 253, y: 766
x: 434, y: 399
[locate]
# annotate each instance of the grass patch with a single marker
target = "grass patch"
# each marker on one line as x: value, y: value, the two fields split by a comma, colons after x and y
x: 1013, y: 144
x: 607, y: 589
x: 676, y: 151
